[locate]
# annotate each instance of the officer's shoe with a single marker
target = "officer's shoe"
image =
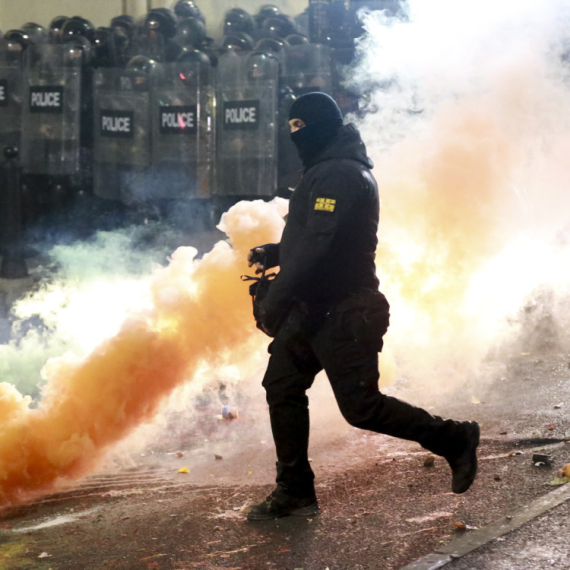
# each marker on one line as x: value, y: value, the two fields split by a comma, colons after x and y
x: 278, y: 505
x: 463, y: 463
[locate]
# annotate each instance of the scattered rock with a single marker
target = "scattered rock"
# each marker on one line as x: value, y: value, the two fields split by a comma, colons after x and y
x: 429, y: 461
x: 541, y: 460
x: 217, y: 457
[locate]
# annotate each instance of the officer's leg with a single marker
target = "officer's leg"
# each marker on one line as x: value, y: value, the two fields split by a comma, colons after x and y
x: 352, y: 369
x: 289, y: 375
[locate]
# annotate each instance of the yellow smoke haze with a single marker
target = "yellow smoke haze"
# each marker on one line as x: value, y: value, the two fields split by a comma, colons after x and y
x: 200, y: 310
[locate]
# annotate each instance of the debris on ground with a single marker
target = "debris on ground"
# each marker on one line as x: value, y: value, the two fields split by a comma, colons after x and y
x: 217, y: 457
x: 429, y: 461
x: 559, y: 481
x: 44, y: 555
x: 463, y: 527
x: 184, y: 470
x: 565, y: 471
x: 541, y: 460
x: 513, y: 453
x: 430, y: 517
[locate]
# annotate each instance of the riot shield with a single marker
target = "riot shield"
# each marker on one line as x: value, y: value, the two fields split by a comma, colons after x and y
x: 11, y: 94
x: 247, y: 125
x: 182, y: 118
x: 122, y: 135
x: 308, y: 68
x: 51, y: 115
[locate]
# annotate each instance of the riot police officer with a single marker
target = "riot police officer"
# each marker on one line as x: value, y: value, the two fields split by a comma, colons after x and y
x: 325, y: 311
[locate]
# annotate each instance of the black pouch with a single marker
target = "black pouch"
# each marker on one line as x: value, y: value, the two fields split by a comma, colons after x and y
x: 258, y: 291
x: 367, y: 319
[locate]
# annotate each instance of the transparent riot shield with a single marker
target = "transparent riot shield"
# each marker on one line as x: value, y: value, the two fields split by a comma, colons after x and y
x: 51, y: 115
x: 182, y: 116
x: 11, y: 96
x: 122, y: 135
x: 308, y: 69
x: 247, y: 125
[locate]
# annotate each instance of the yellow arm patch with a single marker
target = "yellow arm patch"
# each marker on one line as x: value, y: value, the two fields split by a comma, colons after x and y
x: 325, y: 204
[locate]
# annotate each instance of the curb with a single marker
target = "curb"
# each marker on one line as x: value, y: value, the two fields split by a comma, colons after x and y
x: 475, y: 539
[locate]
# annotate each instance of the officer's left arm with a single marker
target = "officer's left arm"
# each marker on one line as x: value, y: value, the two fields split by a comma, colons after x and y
x: 332, y: 199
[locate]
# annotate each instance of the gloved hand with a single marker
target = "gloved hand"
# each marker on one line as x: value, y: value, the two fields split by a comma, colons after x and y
x: 256, y: 256
x: 263, y: 257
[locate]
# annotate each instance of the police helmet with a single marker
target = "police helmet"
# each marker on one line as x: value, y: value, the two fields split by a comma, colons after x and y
x: 161, y: 20
x: 238, y: 20
x: 297, y: 40
x: 279, y: 26
x: 188, y: 9
x: 266, y: 11
x: 270, y: 46
x: 236, y: 42
x: 77, y: 51
x: 142, y: 64
x: 124, y: 25
x: 104, y: 47
x: 38, y: 34
x: 193, y: 64
x: 55, y: 28
x: 259, y: 66
x: 77, y: 26
x: 17, y: 40
x: 191, y: 32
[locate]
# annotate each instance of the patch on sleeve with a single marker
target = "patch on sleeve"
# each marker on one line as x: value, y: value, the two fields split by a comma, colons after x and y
x: 325, y: 204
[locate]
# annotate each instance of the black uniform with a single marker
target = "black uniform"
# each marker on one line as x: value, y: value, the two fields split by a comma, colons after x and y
x: 332, y: 315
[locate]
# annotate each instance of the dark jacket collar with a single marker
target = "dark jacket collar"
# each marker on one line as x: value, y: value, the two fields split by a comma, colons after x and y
x: 346, y: 144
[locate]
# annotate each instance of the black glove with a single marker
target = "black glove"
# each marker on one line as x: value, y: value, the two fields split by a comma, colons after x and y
x: 264, y: 256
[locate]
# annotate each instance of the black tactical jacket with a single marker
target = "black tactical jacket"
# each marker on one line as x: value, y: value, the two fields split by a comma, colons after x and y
x: 329, y: 241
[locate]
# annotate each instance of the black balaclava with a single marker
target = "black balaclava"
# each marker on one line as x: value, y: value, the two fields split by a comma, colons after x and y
x: 322, y: 118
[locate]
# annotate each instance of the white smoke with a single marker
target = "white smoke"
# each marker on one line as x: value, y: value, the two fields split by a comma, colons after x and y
x: 468, y: 120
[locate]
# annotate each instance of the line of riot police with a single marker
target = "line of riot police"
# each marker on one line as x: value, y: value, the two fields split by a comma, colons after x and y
x: 156, y: 112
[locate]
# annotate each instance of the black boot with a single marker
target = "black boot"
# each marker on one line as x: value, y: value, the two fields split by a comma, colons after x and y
x: 463, y: 460
x: 278, y: 505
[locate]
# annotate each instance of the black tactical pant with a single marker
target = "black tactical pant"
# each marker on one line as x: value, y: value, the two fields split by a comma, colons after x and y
x: 301, y: 350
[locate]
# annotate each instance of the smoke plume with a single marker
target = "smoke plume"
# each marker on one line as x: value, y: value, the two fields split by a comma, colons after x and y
x: 467, y: 120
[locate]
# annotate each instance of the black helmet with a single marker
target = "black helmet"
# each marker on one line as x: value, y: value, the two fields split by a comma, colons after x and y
x: 236, y: 42
x: 124, y: 25
x: 141, y: 64
x: 269, y: 46
x: 77, y: 26
x: 188, y: 9
x: 258, y: 66
x: 38, y: 34
x: 55, y: 28
x: 104, y: 47
x: 266, y: 11
x: 193, y: 63
x: 238, y: 20
x: 77, y: 50
x: 16, y: 42
x: 161, y: 20
x: 277, y: 28
x: 297, y: 40
x: 191, y: 32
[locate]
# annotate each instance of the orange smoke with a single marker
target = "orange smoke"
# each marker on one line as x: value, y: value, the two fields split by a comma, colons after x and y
x: 200, y: 310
